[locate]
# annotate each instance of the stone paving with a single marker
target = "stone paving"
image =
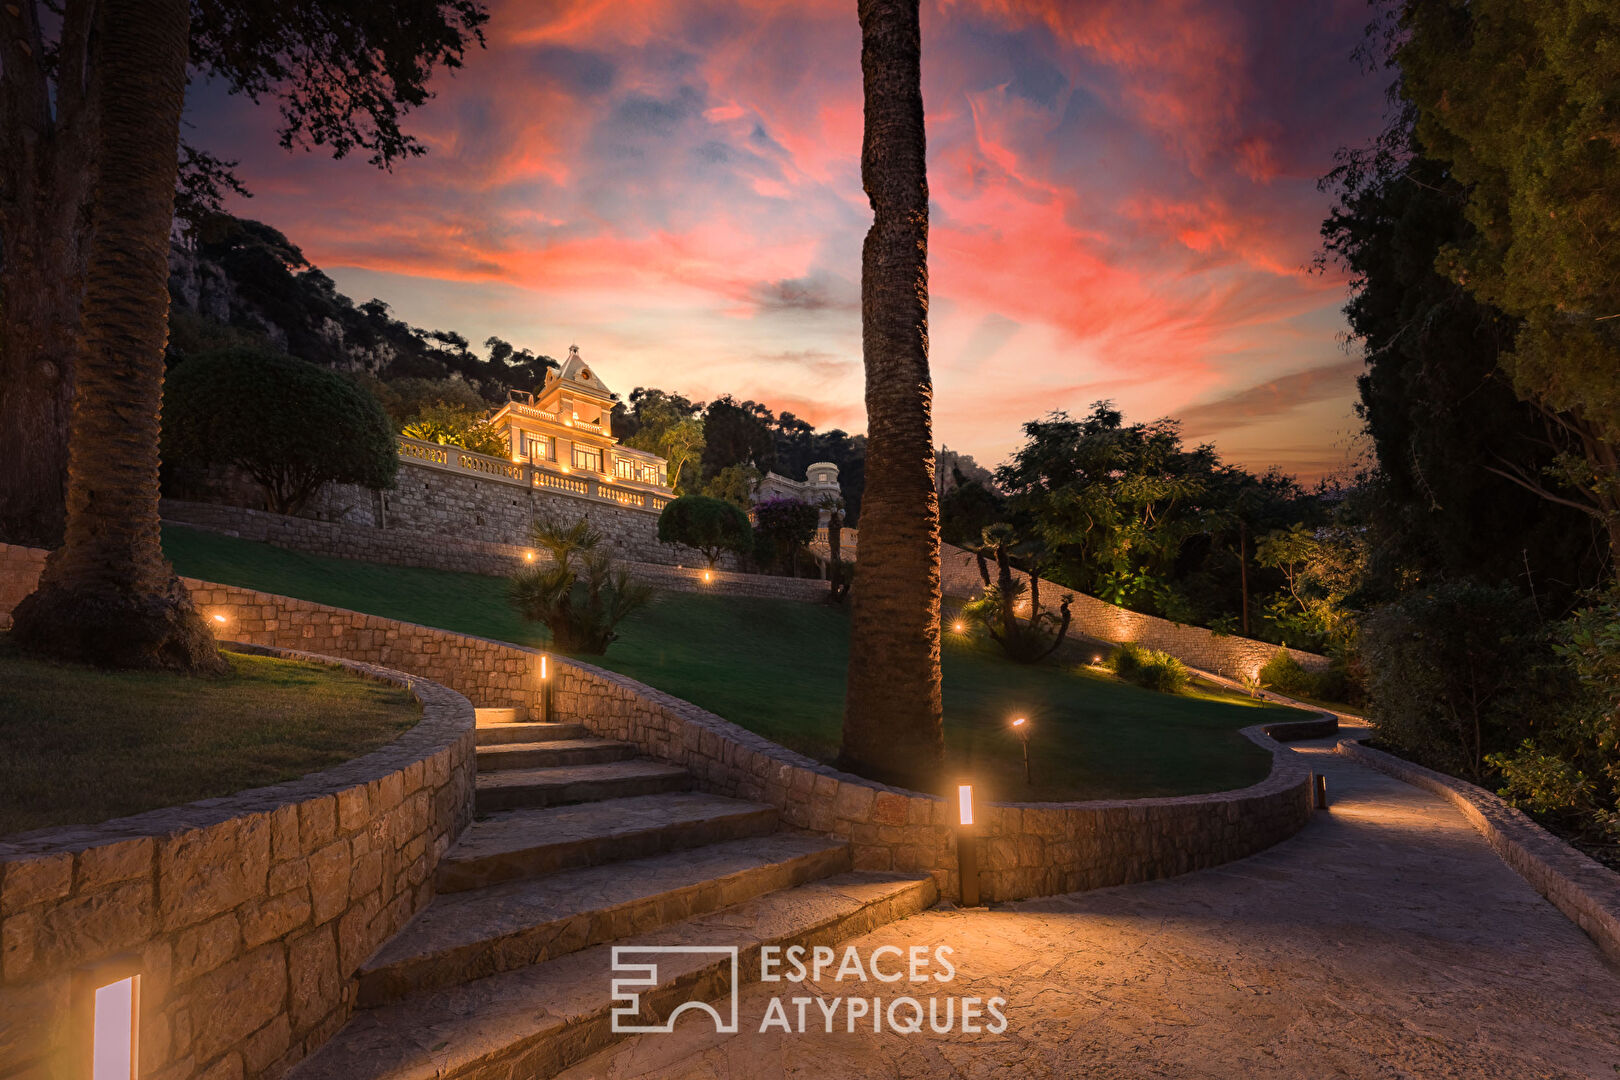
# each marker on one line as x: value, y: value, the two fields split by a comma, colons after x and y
x: 1385, y: 940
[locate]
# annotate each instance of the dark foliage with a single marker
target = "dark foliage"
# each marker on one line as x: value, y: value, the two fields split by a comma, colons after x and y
x: 290, y: 425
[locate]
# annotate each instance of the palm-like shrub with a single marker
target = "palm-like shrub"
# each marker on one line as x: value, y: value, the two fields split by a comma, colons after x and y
x: 582, y: 615
x: 1025, y: 640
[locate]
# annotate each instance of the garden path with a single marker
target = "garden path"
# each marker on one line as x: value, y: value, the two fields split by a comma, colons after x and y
x: 1384, y: 940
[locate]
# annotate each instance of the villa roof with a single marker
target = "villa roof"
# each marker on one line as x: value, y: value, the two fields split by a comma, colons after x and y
x: 579, y: 374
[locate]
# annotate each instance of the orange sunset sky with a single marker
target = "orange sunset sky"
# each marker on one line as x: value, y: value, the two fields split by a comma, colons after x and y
x: 1124, y: 206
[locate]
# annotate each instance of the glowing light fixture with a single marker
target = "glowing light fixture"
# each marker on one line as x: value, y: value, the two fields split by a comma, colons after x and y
x: 959, y: 626
x: 115, y: 1030
x: 967, y: 849
x: 528, y: 556
x: 219, y: 618
x: 1021, y: 727
x: 708, y: 576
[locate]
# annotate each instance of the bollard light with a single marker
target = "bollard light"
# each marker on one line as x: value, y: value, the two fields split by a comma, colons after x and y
x: 967, y: 851
x: 545, y: 689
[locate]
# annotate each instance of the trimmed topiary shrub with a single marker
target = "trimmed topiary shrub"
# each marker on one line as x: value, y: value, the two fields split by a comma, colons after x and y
x: 290, y: 425
x: 712, y: 526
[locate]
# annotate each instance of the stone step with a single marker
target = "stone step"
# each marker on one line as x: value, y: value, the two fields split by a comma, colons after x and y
x: 537, y: 1021
x: 518, y: 844
x: 493, y: 715
x: 544, y: 755
x: 470, y: 935
x: 511, y: 789
x: 498, y: 734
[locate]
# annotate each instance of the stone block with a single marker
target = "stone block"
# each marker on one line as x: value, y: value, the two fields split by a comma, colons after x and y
x: 329, y: 880
x: 266, y: 920
x: 202, y: 948
x: 317, y: 986
x: 237, y: 999
x: 122, y: 860
x: 86, y: 927
x: 206, y: 871
x: 35, y: 879
x: 853, y: 802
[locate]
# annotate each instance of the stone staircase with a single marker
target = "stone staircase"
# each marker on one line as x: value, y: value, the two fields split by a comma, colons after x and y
x: 579, y: 845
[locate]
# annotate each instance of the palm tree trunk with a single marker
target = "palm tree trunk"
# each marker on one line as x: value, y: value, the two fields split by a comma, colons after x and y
x: 108, y: 596
x: 46, y: 161
x: 892, y: 707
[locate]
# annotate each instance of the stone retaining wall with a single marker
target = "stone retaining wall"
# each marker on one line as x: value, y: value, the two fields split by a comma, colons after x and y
x: 1582, y: 888
x: 404, y: 547
x: 1224, y: 654
x: 245, y: 916
x: 1026, y: 849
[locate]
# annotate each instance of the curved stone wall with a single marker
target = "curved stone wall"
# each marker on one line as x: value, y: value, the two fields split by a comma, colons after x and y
x: 1026, y: 849
x: 245, y: 916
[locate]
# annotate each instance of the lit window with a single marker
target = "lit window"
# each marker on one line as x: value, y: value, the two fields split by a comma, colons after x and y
x: 537, y: 447
x: 587, y: 458
x: 624, y: 467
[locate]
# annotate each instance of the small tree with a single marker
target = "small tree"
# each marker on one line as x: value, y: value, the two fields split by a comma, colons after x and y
x: 581, y: 619
x: 712, y: 526
x: 288, y: 424
x: 1027, y: 641
x: 784, y: 527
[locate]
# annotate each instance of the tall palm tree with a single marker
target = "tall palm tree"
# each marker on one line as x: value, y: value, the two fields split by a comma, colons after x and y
x: 107, y: 595
x: 892, y: 708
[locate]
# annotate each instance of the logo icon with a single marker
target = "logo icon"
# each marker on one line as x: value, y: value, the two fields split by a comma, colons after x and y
x: 645, y: 976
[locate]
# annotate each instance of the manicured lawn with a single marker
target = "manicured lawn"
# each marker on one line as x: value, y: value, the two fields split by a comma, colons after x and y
x: 81, y: 745
x: 777, y: 667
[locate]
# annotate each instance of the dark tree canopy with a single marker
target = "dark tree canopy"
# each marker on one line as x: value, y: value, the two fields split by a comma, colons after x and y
x: 288, y: 424
x: 1442, y: 415
x: 735, y: 433
x: 344, y: 72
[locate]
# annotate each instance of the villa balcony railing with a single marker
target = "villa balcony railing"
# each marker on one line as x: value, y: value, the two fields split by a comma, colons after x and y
x: 581, y: 483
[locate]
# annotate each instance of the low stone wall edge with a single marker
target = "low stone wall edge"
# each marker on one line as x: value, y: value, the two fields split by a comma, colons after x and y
x: 1587, y: 892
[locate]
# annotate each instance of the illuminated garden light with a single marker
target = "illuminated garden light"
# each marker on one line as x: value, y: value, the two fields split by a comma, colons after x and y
x: 528, y: 556
x: 115, y: 1030
x: 959, y: 626
x: 967, y: 851
x: 1021, y: 728
x: 219, y: 618
x: 708, y: 576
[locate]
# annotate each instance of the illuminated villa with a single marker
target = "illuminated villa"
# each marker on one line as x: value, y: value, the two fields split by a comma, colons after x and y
x: 568, y: 427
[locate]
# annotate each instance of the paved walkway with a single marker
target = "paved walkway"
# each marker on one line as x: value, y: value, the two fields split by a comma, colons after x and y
x: 1385, y: 940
